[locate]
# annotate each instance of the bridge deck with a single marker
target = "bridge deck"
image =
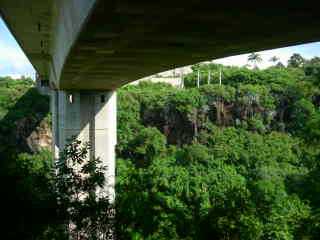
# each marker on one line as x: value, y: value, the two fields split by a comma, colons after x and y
x: 122, y: 41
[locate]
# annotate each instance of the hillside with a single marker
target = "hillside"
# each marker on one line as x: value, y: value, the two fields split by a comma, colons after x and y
x: 236, y: 161
x: 233, y: 161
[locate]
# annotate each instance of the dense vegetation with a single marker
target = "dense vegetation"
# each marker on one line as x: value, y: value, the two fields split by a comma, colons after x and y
x: 238, y: 160
x: 27, y: 203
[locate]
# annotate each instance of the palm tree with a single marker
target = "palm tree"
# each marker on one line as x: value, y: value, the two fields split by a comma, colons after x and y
x: 255, y: 58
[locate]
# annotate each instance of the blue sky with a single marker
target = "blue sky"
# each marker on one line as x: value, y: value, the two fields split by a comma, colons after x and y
x: 14, y: 63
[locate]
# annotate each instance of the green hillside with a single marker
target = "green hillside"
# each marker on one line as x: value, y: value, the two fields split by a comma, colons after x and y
x: 238, y: 160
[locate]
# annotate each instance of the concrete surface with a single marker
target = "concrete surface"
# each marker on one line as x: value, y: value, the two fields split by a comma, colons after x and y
x: 102, y: 45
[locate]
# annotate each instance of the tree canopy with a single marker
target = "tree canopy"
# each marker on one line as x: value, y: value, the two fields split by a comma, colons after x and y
x: 238, y: 160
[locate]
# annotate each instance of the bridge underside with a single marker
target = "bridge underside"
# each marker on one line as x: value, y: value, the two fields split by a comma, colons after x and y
x: 128, y: 41
x: 120, y: 41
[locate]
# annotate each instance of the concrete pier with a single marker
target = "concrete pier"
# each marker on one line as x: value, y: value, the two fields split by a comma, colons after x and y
x: 91, y: 117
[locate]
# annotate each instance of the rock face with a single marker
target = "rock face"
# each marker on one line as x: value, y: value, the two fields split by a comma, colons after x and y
x: 32, y: 136
x: 40, y: 138
x: 25, y: 121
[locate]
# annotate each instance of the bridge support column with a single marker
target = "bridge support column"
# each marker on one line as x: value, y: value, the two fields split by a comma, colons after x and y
x: 91, y: 117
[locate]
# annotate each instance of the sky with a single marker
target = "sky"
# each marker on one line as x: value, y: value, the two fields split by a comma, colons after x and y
x: 15, y: 64
x: 13, y: 61
x: 308, y: 51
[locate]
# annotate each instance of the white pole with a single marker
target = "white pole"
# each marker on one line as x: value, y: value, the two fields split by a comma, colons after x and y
x: 220, y: 77
x: 198, y: 80
x: 182, y: 78
x: 209, y: 76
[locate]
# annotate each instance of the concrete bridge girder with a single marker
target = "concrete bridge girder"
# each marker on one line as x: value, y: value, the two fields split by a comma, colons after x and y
x: 102, y: 45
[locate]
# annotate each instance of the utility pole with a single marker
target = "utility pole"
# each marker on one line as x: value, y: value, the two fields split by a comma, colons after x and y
x: 209, y: 76
x: 220, y: 77
x: 198, y: 79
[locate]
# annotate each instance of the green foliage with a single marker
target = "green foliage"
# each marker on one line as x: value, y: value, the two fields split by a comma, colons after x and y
x: 28, y: 200
x: 312, y: 69
x: 185, y: 102
x: 232, y: 161
x: 242, y: 75
x: 82, y: 201
x: 22, y: 108
x: 255, y: 95
x: 146, y: 146
x: 296, y: 60
x: 28, y: 204
x: 216, y: 92
x: 302, y: 111
x: 129, y: 117
x: 236, y: 187
x: 245, y: 180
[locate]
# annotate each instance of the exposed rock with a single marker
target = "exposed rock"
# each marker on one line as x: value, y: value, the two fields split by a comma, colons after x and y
x: 40, y: 138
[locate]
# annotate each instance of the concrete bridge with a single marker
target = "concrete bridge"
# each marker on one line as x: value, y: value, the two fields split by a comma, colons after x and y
x: 86, y: 49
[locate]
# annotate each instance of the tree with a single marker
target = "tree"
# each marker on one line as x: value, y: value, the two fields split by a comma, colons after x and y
x: 255, y: 58
x: 236, y: 161
x: 312, y: 69
x: 274, y: 59
x: 146, y: 146
x: 280, y: 65
x: 296, y: 61
x: 82, y: 205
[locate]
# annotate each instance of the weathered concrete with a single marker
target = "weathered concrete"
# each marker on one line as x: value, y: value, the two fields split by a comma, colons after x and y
x: 46, y: 30
x: 91, y: 117
x: 69, y: 17
x: 31, y: 24
x: 102, y: 45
